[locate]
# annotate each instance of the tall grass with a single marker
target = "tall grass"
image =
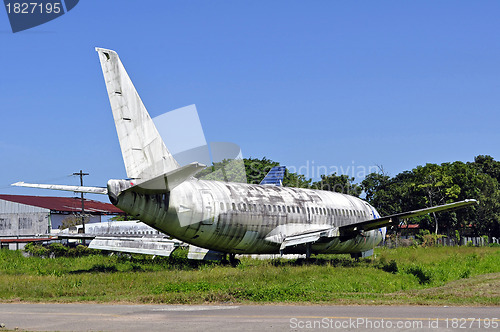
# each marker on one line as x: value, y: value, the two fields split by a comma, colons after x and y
x: 403, y: 275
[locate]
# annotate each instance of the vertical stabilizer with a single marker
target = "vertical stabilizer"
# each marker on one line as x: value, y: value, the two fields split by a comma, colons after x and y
x: 144, y: 152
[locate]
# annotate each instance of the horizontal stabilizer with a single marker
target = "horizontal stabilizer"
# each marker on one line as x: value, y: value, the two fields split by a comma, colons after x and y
x: 394, y: 219
x: 147, y: 246
x: 77, y: 189
x: 169, y: 180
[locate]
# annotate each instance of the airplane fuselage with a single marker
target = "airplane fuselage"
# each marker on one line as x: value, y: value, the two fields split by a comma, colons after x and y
x: 250, y: 219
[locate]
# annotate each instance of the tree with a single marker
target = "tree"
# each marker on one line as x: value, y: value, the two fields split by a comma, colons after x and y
x: 257, y: 169
x: 338, y: 183
x: 487, y: 165
x: 436, y: 185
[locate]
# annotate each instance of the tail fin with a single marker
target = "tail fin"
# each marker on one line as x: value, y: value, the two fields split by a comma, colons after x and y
x: 275, y: 176
x: 144, y: 152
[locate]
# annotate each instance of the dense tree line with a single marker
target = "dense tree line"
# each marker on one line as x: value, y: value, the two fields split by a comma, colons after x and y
x: 423, y: 186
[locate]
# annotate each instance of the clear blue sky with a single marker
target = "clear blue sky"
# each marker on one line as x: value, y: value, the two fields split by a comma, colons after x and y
x: 337, y: 83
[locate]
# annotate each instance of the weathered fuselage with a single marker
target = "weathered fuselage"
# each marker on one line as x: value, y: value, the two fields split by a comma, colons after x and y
x: 249, y: 219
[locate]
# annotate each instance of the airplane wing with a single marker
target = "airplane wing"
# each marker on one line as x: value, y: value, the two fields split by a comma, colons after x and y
x: 307, y: 233
x: 309, y: 237
x: 352, y: 229
x: 78, y: 189
x: 135, y: 245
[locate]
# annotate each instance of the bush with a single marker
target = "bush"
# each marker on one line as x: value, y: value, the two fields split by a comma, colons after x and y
x: 423, y: 276
x: 391, y: 267
x: 57, y: 249
x: 36, y: 250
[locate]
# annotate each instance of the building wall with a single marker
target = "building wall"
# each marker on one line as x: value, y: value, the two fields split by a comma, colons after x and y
x: 21, y: 219
x: 57, y: 219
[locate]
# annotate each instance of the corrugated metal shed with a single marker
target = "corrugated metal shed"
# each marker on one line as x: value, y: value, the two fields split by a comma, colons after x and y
x: 63, y: 204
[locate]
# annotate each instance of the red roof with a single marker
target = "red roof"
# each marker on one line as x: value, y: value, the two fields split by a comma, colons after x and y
x: 64, y: 204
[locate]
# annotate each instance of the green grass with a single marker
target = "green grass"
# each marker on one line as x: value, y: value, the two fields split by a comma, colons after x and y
x: 432, y: 275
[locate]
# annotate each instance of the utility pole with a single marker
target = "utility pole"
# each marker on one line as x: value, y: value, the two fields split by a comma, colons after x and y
x: 81, y: 174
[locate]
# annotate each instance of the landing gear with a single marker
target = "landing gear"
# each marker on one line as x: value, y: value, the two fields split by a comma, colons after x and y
x: 233, y: 260
x: 308, y: 251
x: 356, y: 256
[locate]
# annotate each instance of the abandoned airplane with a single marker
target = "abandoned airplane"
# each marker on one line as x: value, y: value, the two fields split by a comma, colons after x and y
x: 227, y: 217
